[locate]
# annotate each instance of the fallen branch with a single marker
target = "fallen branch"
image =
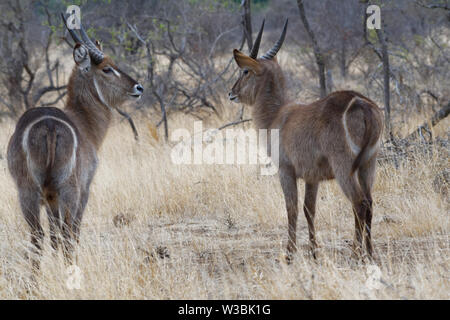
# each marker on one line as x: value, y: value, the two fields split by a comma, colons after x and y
x: 435, y: 119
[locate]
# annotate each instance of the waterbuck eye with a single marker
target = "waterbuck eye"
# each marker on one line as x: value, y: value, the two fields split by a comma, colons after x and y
x: 107, y: 69
x: 245, y: 71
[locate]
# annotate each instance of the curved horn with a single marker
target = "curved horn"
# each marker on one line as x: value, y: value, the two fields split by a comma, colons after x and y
x: 72, y: 33
x: 97, y: 55
x: 255, y: 48
x: 273, y: 52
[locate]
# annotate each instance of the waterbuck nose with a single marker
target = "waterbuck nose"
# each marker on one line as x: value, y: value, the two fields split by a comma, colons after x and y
x: 139, y: 88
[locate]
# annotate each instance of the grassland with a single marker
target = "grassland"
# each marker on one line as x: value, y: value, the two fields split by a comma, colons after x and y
x: 156, y: 230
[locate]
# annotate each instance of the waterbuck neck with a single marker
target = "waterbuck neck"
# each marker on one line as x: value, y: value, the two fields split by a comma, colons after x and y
x: 85, y: 107
x: 270, y: 96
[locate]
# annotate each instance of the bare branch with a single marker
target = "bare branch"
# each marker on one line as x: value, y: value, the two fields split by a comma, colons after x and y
x: 234, y: 123
x: 433, y: 6
x: 48, y: 104
x: 41, y: 92
x: 130, y: 121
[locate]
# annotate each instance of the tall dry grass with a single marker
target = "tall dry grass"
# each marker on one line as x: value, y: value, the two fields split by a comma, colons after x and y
x: 156, y: 230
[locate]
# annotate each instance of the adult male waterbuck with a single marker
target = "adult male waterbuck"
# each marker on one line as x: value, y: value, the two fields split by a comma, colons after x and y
x: 336, y: 137
x: 52, y: 154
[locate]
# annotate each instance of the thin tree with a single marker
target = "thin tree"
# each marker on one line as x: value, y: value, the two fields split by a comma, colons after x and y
x: 384, y: 57
x: 247, y: 23
x: 317, y: 52
x: 386, y: 80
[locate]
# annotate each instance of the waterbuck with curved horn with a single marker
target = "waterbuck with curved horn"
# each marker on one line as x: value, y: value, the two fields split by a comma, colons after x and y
x: 336, y: 137
x: 52, y: 154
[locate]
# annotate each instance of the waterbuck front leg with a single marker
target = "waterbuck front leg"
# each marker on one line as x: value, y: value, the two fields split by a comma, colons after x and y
x: 289, y: 185
x: 309, y: 208
x: 30, y: 203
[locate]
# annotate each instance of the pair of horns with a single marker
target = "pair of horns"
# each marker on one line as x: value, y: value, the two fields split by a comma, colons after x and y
x: 96, y: 55
x: 272, y: 52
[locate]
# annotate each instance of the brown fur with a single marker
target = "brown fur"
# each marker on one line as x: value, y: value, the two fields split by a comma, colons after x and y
x: 52, y: 154
x: 313, y: 143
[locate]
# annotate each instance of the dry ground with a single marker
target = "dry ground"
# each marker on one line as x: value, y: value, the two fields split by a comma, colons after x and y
x: 155, y: 230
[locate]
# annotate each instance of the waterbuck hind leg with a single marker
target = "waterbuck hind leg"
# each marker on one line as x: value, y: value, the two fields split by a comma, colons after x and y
x: 366, y: 175
x: 359, y: 212
x: 68, y: 206
x: 54, y: 221
x: 289, y: 185
x: 368, y: 204
x: 352, y: 190
x: 79, y: 216
x: 30, y: 204
x: 309, y: 208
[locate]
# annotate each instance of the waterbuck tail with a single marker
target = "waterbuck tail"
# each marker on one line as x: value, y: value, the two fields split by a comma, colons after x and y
x: 50, y: 145
x: 370, y: 140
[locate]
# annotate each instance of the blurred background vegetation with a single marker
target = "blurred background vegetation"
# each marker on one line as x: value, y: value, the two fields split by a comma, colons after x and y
x: 181, y: 52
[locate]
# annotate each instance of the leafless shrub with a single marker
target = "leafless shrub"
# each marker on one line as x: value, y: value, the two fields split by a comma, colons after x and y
x: 24, y: 33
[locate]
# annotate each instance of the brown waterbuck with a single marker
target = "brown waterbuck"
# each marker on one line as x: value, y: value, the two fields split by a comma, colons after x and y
x: 336, y: 137
x: 52, y: 154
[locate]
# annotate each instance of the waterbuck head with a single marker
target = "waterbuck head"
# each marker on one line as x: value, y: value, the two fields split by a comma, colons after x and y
x: 255, y: 72
x: 97, y: 77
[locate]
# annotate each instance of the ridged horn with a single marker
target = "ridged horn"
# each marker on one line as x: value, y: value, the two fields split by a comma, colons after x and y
x: 255, y: 48
x: 72, y: 33
x: 273, y: 52
x: 96, y: 55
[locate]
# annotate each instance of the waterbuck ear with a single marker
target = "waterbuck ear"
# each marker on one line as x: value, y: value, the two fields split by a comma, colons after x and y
x: 244, y: 61
x: 98, y: 44
x: 81, y: 57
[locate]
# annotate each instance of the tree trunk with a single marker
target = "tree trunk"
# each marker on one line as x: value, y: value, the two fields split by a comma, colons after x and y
x: 330, y: 84
x: 317, y: 53
x: 386, y: 76
x: 343, y: 58
x: 247, y: 23
x: 384, y: 57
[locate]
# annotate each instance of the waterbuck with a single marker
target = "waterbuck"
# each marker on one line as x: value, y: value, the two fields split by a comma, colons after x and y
x: 336, y: 137
x: 52, y: 154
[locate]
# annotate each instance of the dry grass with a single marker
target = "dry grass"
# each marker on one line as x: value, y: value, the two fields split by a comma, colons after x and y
x: 155, y: 230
